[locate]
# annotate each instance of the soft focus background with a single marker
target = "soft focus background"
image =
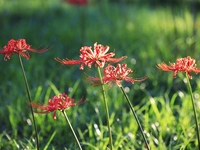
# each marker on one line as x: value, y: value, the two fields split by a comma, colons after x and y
x: 148, y: 32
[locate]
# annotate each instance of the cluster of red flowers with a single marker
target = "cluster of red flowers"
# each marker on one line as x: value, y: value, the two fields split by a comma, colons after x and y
x: 98, y: 57
x: 19, y: 47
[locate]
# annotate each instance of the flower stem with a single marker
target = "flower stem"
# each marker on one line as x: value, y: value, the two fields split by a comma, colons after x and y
x: 194, y: 109
x: 29, y: 97
x: 136, y: 118
x: 74, y: 134
x: 106, y: 108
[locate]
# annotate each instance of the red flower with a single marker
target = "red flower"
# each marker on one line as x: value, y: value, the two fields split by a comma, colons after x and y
x: 89, y: 57
x: 77, y: 2
x: 115, y: 74
x: 186, y: 65
x: 20, y: 47
x: 60, y: 102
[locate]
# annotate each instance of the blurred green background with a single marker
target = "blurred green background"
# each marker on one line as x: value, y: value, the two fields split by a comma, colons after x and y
x: 148, y: 32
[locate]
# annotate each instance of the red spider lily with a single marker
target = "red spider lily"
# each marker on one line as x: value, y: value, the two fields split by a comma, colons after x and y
x: 77, y: 2
x: 116, y: 75
x: 186, y: 65
x: 60, y: 102
x: 20, y: 47
x: 88, y: 57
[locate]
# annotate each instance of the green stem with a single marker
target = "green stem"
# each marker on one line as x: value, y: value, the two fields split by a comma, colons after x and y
x: 74, y: 134
x: 194, y: 109
x: 136, y: 118
x: 106, y: 108
x: 29, y: 98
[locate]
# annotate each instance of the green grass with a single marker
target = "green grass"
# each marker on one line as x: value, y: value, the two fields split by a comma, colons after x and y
x: 147, y: 35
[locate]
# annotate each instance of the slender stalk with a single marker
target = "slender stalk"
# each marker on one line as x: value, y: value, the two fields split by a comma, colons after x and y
x: 194, y: 109
x: 106, y: 108
x: 74, y: 134
x: 29, y: 98
x: 136, y: 118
